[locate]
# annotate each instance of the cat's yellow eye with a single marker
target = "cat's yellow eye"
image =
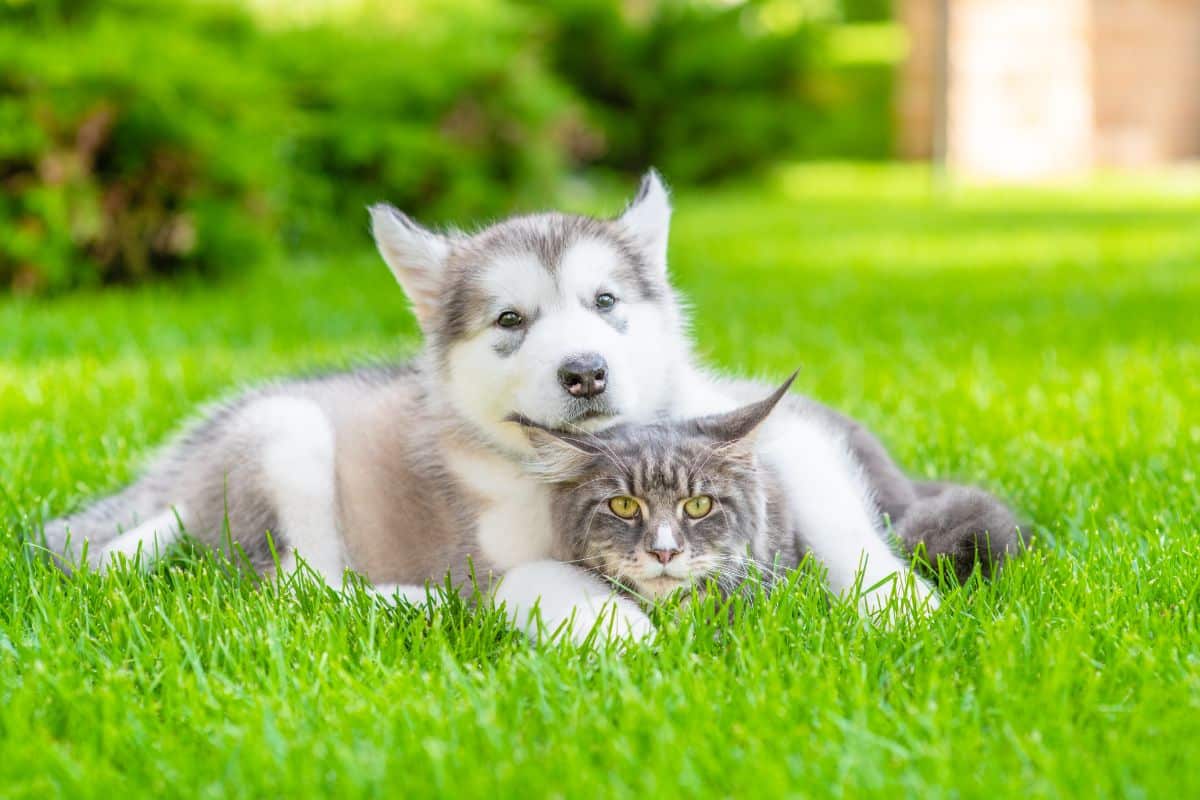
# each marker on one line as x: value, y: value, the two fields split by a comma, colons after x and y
x: 624, y: 507
x: 697, y: 507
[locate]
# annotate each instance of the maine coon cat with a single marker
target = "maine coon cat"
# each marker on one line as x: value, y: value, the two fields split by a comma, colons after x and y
x: 658, y: 507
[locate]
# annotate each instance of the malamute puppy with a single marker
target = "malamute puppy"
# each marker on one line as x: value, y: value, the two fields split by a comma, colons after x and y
x: 406, y: 473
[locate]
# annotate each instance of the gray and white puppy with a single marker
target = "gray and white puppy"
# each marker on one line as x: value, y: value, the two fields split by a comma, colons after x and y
x: 409, y: 472
x: 655, y: 508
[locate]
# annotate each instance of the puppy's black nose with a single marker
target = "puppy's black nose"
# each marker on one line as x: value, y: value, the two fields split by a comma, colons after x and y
x: 584, y: 375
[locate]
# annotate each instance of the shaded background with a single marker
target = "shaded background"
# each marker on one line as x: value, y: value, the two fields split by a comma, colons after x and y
x: 143, y: 138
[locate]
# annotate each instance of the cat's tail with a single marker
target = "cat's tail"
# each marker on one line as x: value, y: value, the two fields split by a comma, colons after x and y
x: 963, y: 523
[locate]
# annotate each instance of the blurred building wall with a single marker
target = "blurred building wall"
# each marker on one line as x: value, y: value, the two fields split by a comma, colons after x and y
x: 1038, y: 88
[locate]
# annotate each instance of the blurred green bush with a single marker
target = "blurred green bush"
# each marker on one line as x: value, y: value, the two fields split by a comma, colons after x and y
x: 127, y: 143
x: 706, y: 90
x: 442, y: 108
x: 144, y: 138
x: 141, y: 138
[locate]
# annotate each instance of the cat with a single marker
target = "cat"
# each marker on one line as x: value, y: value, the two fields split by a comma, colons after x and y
x: 656, y: 508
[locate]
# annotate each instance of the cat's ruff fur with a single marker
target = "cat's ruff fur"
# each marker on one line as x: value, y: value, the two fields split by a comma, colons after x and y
x: 405, y: 473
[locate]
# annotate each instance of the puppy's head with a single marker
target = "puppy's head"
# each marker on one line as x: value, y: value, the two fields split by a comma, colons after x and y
x: 567, y: 321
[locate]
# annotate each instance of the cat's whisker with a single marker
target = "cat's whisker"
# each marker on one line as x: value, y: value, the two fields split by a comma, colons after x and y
x: 603, y: 446
x: 699, y: 471
x: 761, y: 567
x: 587, y: 530
x: 575, y: 561
x: 663, y: 469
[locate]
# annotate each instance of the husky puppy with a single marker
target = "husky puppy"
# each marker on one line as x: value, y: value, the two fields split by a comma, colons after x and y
x: 655, y: 508
x: 406, y: 473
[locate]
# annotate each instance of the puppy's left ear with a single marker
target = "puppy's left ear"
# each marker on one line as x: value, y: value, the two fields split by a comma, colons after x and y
x: 415, y: 255
x: 647, y: 218
x: 558, y: 457
x: 741, y: 424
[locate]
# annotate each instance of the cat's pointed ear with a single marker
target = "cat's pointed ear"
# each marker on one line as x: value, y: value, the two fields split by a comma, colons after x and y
x: 647, y: 218
x: 416, y: 256
x: 741, y: 424
x: 557, y: 456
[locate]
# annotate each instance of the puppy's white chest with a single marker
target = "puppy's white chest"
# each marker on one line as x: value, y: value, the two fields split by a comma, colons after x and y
x: 514, y: 519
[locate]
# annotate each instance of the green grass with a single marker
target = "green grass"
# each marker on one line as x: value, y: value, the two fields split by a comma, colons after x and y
x: 1044, y: 343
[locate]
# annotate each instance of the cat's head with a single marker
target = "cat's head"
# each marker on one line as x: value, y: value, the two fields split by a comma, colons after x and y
x: 658, y: 507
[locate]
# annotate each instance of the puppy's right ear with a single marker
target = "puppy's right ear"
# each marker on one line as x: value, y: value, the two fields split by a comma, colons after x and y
x: 558, y: 457
x: 416, y: 256
x: 648, y: 218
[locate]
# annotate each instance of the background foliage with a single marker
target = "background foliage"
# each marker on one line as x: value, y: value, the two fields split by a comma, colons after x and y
x: 146, y: 137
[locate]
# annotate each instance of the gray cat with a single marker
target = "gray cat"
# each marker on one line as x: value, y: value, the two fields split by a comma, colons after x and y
x: 658, y: 507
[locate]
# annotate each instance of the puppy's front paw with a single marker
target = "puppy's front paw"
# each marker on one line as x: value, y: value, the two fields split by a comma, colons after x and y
x: 552, y: 601
x: 613, y: 620
x: 905, y: 595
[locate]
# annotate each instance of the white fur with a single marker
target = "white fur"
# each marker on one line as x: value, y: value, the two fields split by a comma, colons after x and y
x: 518, y: 280
x: 830, y: 500
x: 562, y: 323
x: 514, y: 527
x: 551, y: 599
x: 297, y: 463
x: 664, y: 538
x: 390, y: 593
x: 587, y: 266
x: 144, y: 544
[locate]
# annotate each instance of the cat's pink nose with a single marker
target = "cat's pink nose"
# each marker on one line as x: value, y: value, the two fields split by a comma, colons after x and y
x: 665, y: 555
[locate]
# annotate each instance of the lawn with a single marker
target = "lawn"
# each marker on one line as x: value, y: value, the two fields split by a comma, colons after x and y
x: 1043, y: 343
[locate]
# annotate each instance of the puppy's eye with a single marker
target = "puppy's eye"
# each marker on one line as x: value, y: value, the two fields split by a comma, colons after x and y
x: 510, y: 319
x: 624, y: 507
x: 697, y: 507
x: 605, y: 301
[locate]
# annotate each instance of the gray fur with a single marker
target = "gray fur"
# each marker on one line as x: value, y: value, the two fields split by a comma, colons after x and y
x: 964, y: 524
x: 664, y: 463
x: 390, y: 474
x: 467, y: 304
x: 205, y: 442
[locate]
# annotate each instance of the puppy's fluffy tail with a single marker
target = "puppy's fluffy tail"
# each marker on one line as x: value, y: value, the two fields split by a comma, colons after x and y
x: 97, y: 523
x: 965, y: 524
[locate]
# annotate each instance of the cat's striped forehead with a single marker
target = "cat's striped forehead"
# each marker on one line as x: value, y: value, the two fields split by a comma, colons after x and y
x: 651, y: 459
